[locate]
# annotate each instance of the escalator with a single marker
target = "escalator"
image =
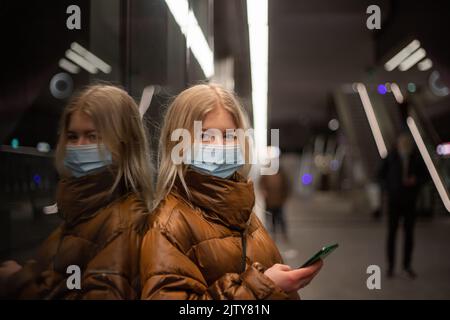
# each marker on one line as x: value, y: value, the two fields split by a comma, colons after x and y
x: 424, y: 115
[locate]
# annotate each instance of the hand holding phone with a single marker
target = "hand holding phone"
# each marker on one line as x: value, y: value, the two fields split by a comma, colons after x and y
x: 321, y: 254
x: 289, y: 279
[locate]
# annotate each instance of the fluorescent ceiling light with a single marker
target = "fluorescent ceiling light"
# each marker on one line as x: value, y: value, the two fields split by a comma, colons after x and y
x: 397, y: 93
x: 82, y: 62
x: 425, y: 64
x: 429, y: 162
x: 412, y: 59
x: 403, y: 54
x: 195, y: 38
x: 373, y: 123
x: 52, y: 209
x: 257, y: 13
x: 68, y: 66
x: 199, y: 46
x: 146, y: 99
x: 92, y: 58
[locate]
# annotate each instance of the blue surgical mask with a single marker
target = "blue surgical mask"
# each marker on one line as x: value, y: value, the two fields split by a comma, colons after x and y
x: 218, y: 160
x: 85, y: 159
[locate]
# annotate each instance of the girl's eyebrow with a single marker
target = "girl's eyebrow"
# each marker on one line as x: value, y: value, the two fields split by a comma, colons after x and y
x: 222, y: 130
x: 85, y: 132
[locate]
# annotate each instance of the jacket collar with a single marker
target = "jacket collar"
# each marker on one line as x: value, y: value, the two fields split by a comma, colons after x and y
x: 81, y: 198
x: 226, y: 201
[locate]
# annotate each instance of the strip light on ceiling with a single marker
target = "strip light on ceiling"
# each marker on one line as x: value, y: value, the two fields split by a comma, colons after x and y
x: 92, y: 58
x: 412, y: 59
x: 429, y: 162
x: 373, y: 123
x: 395, y: 61
x: 257, y: 13
x: 82, y: 62
x: 195, y: 38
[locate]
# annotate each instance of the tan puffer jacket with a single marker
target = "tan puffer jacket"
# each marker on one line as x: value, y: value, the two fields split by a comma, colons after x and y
x: 209, y: 247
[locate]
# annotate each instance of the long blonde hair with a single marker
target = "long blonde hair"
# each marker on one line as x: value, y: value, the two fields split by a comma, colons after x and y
x: 120, y: 128
x: 192, y: 105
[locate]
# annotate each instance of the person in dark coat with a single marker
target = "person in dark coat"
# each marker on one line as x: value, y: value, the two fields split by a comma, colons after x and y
x: 402, y: 174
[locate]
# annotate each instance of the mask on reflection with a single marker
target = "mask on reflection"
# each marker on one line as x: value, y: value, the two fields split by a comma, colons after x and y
x: 85, y: 159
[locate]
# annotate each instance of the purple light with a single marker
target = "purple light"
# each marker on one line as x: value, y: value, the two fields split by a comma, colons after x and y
x: 382, y: 89
x: 307, y: 179
x: 37, y: 179
x: 443, y: 149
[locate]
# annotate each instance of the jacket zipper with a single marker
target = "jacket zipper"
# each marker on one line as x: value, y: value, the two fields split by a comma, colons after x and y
x: 244, y: 250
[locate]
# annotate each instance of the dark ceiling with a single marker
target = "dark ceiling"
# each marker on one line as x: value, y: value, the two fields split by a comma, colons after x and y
x: 314, y: 47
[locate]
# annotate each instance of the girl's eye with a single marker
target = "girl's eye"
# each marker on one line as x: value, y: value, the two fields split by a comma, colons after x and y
x: 206, y: 137
x: 72, y: 137
x: 230, y: 137
x: 92, y: 137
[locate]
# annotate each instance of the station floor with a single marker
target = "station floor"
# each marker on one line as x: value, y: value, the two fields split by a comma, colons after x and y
x: 326, y: 218
x: 329, y: 217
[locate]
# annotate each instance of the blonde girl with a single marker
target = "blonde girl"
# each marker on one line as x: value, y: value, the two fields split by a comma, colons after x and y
x: 205, y: 242
x: 104, y: 191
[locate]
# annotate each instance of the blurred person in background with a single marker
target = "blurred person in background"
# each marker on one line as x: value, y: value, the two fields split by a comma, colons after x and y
x: 275, y: 190
x: 402, y: 174
x: 104, y: 192
x: 204, y: 240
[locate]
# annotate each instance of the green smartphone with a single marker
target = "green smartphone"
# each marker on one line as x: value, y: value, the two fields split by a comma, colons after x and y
x: 321, y: 254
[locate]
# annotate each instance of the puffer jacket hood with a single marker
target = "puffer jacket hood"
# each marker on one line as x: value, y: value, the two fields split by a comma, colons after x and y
x: 226, y: 201
x: 101, y: 234
x: 79, y: 199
